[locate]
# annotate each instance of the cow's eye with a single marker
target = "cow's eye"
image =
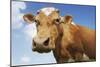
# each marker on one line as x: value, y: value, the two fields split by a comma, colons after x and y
x: 38, y: 12
x: 37, y: 22
x: 57, y: 20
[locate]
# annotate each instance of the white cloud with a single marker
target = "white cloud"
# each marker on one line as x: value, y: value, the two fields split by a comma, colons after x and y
x: 25, y: 59
x: 17, y: 15
x: 17, y: 19
x: 30, y: 30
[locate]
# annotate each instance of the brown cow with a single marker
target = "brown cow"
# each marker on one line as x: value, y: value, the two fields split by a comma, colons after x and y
x: 66, y: 39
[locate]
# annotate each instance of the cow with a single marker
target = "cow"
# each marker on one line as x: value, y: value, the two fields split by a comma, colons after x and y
x: 67, y: 40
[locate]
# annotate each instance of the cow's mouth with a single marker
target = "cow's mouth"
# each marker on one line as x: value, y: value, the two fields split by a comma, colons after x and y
x: 46, y: 42
x: 41, y: 50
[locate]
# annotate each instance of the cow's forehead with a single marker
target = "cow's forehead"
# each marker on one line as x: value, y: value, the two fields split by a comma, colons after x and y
x: 48, y: 10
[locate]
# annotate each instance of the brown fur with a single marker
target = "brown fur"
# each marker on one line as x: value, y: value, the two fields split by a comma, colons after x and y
x: 66, y: 40
x: 89, y: 41
x: 68, y: 45
x: 75, y: 41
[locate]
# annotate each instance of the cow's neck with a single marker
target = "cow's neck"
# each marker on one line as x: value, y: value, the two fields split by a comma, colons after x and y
x: 58, y: 42
x: 60, y: 32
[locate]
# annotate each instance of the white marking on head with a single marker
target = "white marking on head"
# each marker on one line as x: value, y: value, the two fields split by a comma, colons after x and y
x: 48, y: 10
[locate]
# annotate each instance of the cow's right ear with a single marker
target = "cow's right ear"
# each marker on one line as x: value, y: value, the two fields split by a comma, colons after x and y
x: 29, y: 18
x: 67, y: 19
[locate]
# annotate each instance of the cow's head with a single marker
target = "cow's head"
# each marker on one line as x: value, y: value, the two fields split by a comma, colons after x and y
x: 45, y: 20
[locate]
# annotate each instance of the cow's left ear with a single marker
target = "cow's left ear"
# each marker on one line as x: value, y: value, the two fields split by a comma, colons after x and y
x: 68, y: 19
x: 29, y: 18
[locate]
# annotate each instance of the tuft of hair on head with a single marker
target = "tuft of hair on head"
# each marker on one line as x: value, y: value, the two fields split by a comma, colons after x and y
x: 48, y: 10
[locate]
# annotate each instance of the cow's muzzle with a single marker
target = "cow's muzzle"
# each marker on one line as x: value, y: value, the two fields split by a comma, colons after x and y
x: 41, y: 46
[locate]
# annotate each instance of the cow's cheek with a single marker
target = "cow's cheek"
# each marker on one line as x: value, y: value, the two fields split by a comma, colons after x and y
x: 52, y: 44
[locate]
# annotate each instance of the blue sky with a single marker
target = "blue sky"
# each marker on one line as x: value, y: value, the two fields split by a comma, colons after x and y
x: 22, y: 32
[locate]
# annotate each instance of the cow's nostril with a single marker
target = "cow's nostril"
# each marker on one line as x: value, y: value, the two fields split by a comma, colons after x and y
x: 34, y: 43
x: 46, y: 42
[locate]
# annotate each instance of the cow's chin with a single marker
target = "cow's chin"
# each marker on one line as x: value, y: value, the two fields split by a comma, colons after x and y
x: 46, y: 51
x: 42, y: 50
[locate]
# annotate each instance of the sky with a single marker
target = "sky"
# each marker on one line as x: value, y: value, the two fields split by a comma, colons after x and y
x: 22, y: 33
